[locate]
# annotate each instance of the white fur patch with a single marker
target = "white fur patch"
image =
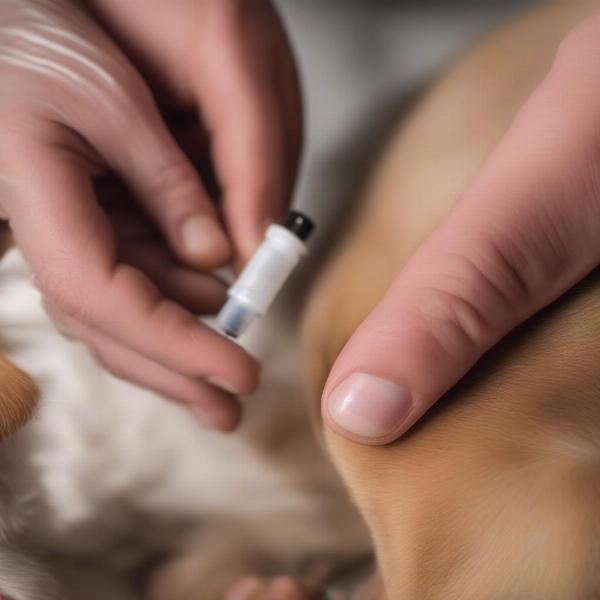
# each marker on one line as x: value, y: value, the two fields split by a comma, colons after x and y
x: 110, y: 472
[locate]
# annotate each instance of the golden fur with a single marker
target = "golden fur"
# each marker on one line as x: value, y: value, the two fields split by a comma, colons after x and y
x: 495, y: 494
x: 18, y: 398
x: 18, y: 393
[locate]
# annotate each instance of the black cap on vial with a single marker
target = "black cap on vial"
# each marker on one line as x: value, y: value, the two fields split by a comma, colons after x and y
x: 300, y: 225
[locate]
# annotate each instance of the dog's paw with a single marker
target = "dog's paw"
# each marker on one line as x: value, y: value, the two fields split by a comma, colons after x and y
x: 280, y: 588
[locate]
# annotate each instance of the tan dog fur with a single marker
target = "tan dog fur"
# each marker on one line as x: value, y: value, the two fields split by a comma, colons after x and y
x: 495, y: 494
x: 18, y: 398
x: 18, y: 393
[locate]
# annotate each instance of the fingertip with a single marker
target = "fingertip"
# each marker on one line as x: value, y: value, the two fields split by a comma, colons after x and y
x: 244, y: 379
x: 223, y: 413
x: 332, y: 426
x: 232, y: 421
x: 203, y: 242
x: 216, y: 423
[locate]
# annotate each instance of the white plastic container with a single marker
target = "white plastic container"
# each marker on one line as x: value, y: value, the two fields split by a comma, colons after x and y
x: 259, y: 283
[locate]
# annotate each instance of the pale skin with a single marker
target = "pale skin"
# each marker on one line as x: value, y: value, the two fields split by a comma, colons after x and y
x: 523, y: 232
x: 76, y: 105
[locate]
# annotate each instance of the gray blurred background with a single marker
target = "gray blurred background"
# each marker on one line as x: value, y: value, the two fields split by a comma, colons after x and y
x: 361, y: 62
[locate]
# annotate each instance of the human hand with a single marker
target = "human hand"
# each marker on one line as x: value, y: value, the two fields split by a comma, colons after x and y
x: 524, y: 231
x: 106, y: 204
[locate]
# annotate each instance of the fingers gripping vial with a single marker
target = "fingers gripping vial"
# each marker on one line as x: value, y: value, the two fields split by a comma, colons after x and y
x: 270, y: 267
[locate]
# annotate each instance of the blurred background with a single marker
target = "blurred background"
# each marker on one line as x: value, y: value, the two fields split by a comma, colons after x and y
x: 362, y: 62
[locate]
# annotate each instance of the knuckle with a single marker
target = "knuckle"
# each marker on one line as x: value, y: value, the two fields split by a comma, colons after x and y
x: 507, y: 276
x: 528, y: 264
x: 465, y: 308
x: 452, y: 323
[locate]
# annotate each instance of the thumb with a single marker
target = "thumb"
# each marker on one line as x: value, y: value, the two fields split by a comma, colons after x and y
x: 520, y: 236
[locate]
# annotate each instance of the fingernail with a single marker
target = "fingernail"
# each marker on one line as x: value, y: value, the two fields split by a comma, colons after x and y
x: 368, y: 406
x: 222, y: 384
x: 202, y: 237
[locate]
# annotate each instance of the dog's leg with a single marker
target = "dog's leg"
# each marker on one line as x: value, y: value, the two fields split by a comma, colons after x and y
x: 18, y: 398
x: 495, y: 494
x: 18, y: 393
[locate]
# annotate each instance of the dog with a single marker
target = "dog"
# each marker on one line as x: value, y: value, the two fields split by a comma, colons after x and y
x: 493, y: 495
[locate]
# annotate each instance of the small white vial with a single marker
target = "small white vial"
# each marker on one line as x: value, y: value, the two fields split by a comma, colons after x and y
x: 255, y: 289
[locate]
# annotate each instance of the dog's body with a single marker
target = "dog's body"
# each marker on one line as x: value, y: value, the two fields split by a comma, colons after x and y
x: 110, y: 475
x: 493, y: 496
